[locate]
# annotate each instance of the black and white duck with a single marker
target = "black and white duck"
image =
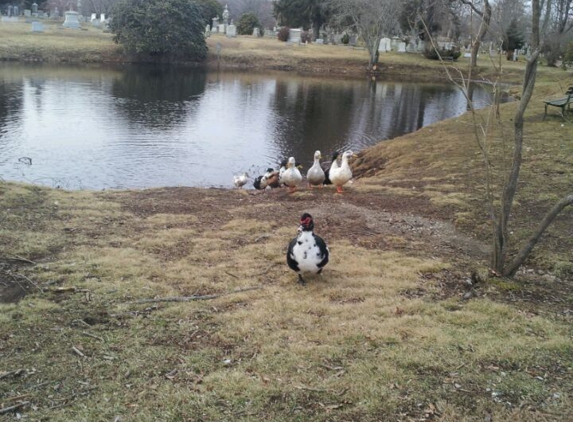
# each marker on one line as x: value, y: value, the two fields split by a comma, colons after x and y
x: 307, y: 253
x: 327, y: 165
x: 315, y: 175
x: 261, y: 182
x: 339, y: 176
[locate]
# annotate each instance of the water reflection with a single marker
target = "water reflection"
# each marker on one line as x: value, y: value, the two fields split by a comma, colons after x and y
x: 163, y: 126
x: 157, y: 96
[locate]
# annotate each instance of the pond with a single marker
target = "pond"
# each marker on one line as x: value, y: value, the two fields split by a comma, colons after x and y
x: 151, y: 126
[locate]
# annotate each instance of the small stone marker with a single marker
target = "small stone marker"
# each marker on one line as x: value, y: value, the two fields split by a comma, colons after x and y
x: 319, y: 41
x: 37, y: 27
x: 256, y: 32
x: 401, y: 47
x: 294, y: 35
x: 102, y: 18
x: 27, y: 13
x: 385, y: 45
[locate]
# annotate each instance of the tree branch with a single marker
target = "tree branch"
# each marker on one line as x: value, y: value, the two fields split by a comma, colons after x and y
x: 511, y: 269
x: 191, y: 298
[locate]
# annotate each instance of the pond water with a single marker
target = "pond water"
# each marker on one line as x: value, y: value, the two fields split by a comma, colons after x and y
x: 149, y: 126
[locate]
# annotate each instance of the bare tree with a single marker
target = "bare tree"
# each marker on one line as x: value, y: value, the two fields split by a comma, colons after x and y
x: 500, y: 215
x: 561, y: 23
x: 370, y: 19
x: 485, y: 14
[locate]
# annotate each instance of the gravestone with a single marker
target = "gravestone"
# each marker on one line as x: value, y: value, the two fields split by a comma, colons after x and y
x: 319, y: 41
x: 222, y: 28
x: 207, y: 31
x: 401, y: 47
x: 55, y: 13
x: 37, y: 27
x: 385, y: 45
x: 231, y: 31
x: 34, y: 9
x: 294, y: 35
x: 215, y: 26
x: 352, y: 40
x: 93, y: 17
x: 410, y: 48
x: 16, y: 11
x: 71, y: 20
x: 27, y: 13
x: 256, y: 32
x: 515, y: 54
x: 102, y: 18
x: 421, y: 46
x: 10, y: 11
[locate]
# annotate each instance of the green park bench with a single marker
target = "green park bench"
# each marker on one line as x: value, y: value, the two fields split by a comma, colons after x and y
x: 563, y: 103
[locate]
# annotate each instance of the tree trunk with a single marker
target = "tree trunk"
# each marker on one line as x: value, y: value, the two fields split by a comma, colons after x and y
x: 501, y: 225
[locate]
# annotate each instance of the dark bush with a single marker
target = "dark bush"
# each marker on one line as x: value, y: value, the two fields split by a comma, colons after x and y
x: 164, y: 29
x: 247, y: 23
x: 283, y: 34
x: 451, y: 54
x: 305, y: 37
x: 345, y: 39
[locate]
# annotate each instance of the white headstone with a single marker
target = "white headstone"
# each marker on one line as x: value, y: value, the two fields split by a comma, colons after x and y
x: 71, y: 20
x: 401, y: 47
x: 231, y: 31
x: 256, y: 32
x: 102, y: 17
x: 207, y: 31
x: 319, y: 41
x: 385, y: 45
x: 27, y: 12
x: 93, y: 17
x: 222, y: 28
x: 294, y: 35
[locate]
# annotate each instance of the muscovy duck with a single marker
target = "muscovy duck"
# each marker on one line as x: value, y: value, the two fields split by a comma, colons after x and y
x: 307, y: 253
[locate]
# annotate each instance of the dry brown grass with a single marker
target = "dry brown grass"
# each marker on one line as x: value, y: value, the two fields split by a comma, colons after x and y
x: 383, y: 335
x: 373, y: 339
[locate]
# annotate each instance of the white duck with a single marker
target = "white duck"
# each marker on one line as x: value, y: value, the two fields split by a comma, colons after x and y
x: 291, y: 177
x: 241, y: 180
x: 315, y: 175
x: 339, y: 176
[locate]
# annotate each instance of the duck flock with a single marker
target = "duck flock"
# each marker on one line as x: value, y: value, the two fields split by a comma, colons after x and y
x: 336, y: 172
x: 307, y: 254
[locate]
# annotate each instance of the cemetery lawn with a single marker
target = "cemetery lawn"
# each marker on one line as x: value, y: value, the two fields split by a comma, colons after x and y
x: 91, y: 45
x: 397, y: 329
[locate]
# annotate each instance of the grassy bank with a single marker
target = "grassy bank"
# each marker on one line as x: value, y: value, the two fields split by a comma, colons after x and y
x: 91, y: 45
x: 395, y: 329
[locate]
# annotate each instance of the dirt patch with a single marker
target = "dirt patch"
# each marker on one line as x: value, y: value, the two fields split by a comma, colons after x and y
x: 10, y: 291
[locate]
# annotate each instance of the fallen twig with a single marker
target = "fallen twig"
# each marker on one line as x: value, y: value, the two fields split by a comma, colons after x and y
x: 16, y: 373
x: 19, y: 258
x: 12, y: 408
x: 78, y: 351
x: 232, y: 275
x: 92, y: 336
x: 191, y: 298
